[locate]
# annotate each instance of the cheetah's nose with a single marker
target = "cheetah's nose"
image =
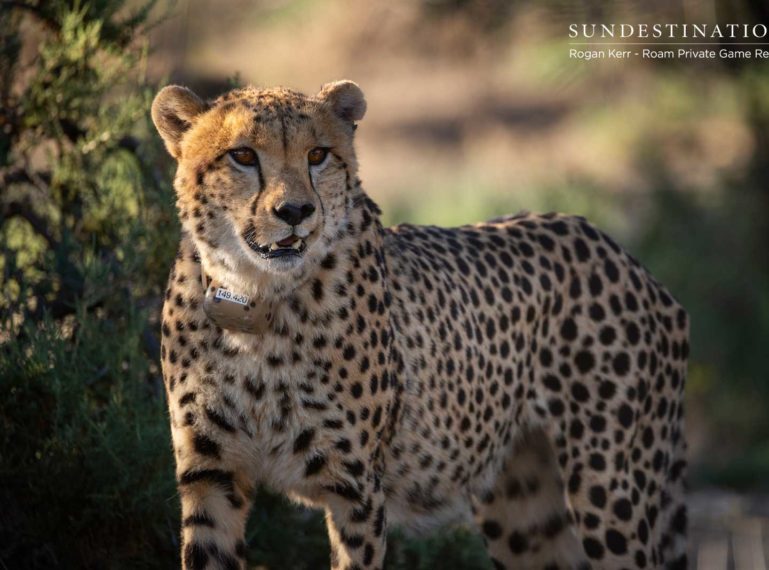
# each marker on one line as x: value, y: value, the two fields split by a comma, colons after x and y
x: 293, y: 214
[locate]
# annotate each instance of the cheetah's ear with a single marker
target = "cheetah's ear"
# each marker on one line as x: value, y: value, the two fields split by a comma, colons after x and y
x: 173, y: 112
x: 345, y: 98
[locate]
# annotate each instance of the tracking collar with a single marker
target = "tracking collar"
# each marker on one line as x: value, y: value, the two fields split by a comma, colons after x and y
x: 235, y: 311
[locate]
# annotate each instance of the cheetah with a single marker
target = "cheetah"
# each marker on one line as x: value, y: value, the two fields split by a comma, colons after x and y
x: 524, y: 372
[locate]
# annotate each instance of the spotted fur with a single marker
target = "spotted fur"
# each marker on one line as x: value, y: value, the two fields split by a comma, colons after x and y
x: 526, y: 370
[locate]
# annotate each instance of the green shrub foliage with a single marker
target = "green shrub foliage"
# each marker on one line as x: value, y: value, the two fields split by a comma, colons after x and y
x: 88, y: 230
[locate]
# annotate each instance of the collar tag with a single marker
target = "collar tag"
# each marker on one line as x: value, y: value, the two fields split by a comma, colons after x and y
x: 234, y: 311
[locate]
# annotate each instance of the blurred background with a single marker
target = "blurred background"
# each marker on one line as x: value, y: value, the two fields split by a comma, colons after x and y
x: 474, y: 110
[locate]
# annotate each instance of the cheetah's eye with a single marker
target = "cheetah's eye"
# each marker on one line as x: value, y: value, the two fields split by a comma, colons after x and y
x: 317, y: 155
x: 244, y: 156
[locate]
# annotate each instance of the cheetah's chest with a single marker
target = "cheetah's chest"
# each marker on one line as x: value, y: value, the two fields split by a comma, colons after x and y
x: 260, y: 394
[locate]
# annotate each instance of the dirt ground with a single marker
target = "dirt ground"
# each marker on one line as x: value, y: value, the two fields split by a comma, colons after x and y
x: 728, y: 530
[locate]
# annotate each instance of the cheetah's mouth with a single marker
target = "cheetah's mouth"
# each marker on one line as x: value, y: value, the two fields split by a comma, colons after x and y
x: 290, y: 246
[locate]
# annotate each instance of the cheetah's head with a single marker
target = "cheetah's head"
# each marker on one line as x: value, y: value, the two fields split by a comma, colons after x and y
x: 264, y: 176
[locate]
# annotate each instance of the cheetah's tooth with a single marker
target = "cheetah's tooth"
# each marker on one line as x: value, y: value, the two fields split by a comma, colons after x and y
x: 297, y: 244
x: 274, y: 246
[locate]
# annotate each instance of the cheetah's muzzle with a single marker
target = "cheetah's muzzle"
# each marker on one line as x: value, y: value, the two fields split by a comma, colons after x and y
x: 287, y: 247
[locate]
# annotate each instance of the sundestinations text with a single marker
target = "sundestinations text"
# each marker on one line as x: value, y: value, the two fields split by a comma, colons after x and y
x: 668, y: 31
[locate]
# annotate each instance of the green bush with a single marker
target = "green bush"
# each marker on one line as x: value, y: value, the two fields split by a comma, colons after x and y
x: 86, y: 474
x: 88, y: 230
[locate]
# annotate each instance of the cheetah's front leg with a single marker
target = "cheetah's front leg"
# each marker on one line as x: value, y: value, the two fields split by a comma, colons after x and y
x: 215, y: 506
x: 356, y: 525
